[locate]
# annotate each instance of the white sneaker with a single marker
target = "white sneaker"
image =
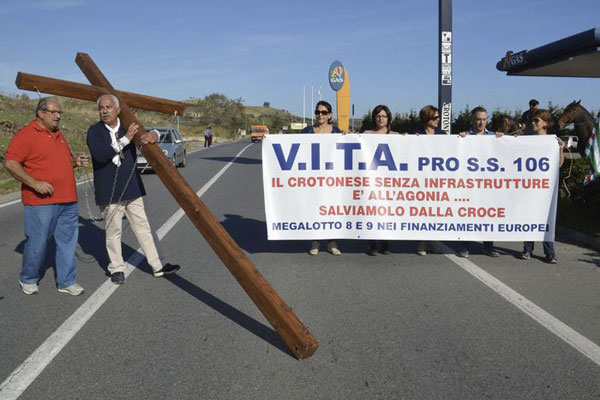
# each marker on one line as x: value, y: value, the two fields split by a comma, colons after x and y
x: 73, y: 290
x: 333, y: 249
x: 422, y: 248
x: 29, y: 288
x: 314, y: 248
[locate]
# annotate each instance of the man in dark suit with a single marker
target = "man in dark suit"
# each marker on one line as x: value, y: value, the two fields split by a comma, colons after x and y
x: 119, y: 188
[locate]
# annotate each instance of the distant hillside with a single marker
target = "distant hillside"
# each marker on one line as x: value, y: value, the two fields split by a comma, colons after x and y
x: 225, y: 115
x: 217, y: 109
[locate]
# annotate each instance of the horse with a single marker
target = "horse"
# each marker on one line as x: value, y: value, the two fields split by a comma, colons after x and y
x: 580, y: 117
x: 507, y: 125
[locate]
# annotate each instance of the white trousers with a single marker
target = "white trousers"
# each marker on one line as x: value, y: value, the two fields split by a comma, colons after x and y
x: 136, y: 215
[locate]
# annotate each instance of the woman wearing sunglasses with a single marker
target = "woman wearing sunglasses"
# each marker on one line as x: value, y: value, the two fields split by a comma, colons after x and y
x: 323, y: 124
x: 429, y: 117
x: 541, y: 121
x: 323, y: 120
x: 382, y: 121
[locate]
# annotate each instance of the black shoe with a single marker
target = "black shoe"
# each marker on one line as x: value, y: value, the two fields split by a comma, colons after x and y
x: 372, y: 249
x: 166, y: 269
x: 463, y: 253
x: 118, y: 278
x: 385, y: 248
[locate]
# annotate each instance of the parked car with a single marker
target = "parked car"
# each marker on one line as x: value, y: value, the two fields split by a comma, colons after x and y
x: 172, y: 145
x: 571, y: 141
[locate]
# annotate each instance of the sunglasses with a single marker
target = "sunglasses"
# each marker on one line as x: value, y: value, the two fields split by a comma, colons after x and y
x: 436, y: 117
x: 321, y: 112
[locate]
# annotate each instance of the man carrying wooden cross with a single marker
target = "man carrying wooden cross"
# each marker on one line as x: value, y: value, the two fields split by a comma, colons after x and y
x: 291, y: 330
x: 119, y: 188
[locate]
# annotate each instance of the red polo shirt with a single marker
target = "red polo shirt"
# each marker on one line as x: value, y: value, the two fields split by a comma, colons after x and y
x: 46, y: 157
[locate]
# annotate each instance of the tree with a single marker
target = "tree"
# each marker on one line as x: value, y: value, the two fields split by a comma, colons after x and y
x: 367, y: 123
x: 406, y: 123
x: 462, y: 122
x: 218, y: 109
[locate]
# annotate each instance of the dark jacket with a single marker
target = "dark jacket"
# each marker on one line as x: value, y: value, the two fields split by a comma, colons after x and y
x: 98, y: 141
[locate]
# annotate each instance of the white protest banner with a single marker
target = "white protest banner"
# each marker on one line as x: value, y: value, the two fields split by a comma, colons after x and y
x: 413, y: 187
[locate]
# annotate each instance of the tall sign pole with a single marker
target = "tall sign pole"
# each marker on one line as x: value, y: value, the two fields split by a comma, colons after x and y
x: 445, y: 66
x: 304, y: 105
x: 339, y: 82
x: 312, y: 105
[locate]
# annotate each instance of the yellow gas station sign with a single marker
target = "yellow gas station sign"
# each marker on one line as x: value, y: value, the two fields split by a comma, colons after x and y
x: 339, y: 82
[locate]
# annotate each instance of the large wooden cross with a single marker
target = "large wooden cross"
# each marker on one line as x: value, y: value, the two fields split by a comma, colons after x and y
x: 291, y: 330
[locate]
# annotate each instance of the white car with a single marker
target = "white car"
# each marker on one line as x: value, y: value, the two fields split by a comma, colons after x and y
x: 172, y: 145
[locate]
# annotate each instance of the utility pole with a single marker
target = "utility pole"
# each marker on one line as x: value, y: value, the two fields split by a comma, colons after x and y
x: 445, y: 66
x: 303, y: 104
x: 312, y: 106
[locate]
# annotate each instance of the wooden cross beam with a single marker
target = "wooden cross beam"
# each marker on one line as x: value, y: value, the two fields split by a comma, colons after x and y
x: 92, y: 93
x: 291, y: 330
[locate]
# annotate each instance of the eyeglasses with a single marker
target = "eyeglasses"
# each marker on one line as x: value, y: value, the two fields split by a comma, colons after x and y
x: 381, y: 116
x: 321, y: 112
x: 53, y: 112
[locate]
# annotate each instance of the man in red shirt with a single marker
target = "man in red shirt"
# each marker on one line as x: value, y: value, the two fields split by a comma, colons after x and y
x: 39, y: 157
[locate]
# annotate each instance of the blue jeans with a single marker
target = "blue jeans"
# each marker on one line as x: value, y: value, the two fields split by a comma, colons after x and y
x: 41, y: 224
x: 548, y: 248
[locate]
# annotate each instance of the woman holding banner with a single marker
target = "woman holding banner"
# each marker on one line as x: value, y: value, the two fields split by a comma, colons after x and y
x: 323, y: 124
x: 382, y: 121
x: 429, y: 117
x: 323, y: 120
x: 541, y: 121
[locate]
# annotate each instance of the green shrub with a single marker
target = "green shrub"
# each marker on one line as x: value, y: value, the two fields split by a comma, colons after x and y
x: 578, y: 205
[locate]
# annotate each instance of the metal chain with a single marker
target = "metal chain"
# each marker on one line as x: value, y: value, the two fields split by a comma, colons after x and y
x: 104, y: 213
x: 86, y: 196
x: 570, y: 170
x: 108, y: 218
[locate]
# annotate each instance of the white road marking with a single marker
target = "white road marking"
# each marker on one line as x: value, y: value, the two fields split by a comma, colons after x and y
x: 582, y: 344
x: 10, y: 203
x: 166, y: 227
x: 20, y: 379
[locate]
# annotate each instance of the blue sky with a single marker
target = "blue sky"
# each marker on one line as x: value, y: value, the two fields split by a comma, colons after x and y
x: 266, y: 51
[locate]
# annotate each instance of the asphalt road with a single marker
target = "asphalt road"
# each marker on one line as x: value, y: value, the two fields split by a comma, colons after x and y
x: 390, y: 327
